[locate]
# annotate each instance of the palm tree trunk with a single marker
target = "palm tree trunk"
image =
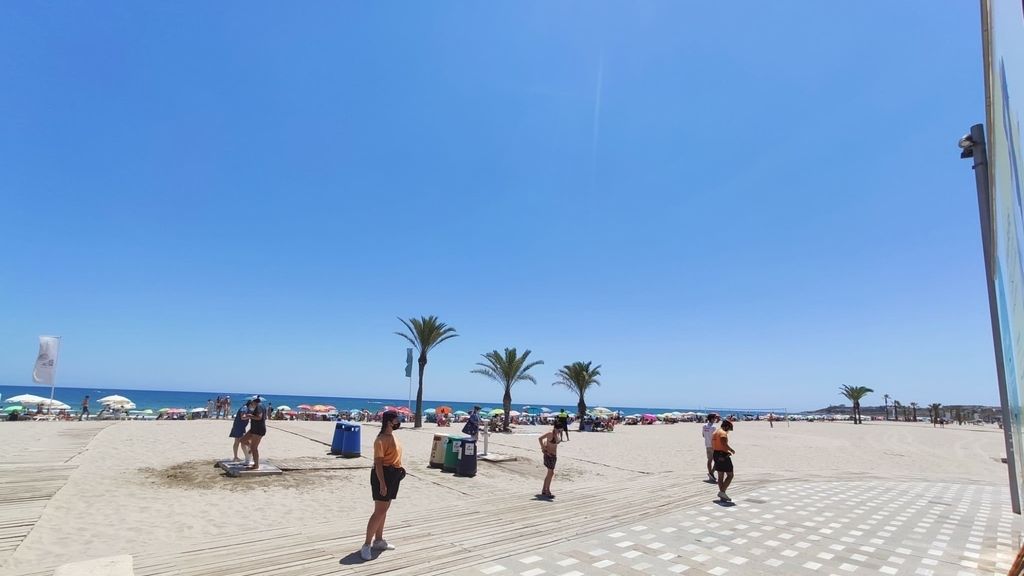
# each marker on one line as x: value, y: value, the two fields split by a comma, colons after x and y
x: 506, y: 403
x: 418, y: 421
x: 581, y: 410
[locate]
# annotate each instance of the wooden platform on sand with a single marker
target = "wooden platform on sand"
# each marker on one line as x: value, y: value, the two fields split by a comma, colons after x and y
x: 29, y: 478
x: 240, y: 470
x: 431, y: 540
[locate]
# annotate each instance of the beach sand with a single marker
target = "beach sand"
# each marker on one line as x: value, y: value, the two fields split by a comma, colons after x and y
x: 146, y: 486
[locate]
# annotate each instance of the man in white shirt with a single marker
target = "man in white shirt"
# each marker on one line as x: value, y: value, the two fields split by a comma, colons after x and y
x: 708, y: 430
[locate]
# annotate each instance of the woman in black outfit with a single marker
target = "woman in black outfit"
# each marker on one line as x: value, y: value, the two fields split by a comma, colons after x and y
x: 257, y: 430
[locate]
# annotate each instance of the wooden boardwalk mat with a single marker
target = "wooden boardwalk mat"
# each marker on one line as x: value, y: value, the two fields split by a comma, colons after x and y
x: 431, y: 540
x: 29, y: 477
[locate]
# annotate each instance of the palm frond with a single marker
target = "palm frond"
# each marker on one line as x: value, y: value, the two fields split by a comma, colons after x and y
x: 411, y: 341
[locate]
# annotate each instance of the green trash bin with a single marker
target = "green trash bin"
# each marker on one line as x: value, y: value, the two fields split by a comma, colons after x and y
x: 451, y: 452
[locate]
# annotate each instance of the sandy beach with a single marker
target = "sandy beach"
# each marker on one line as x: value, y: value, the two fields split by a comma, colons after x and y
x: 137, y: 487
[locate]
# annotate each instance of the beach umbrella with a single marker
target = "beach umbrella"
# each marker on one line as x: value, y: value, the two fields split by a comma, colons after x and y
x: 305, y: 407
x: 283, y: 408
x: 197, y: 410
x: 114, y: 399
x: 515, y: 413
x: 545, y: 409
x: 174, y: 410
x: 496, y: 412
x: 600, y: 410
x: 320, y: 408
x: 404, y: 410
x: 13, y: 408
x: 444, y: 409
x: 461, y: 413
x: 430, y: 411
x: 57, y: 405
x: 121, y: 405
x: 27, y: 399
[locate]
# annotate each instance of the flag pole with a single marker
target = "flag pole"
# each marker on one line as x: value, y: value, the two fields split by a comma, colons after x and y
x: 53, y: 381
x: 408, y: 374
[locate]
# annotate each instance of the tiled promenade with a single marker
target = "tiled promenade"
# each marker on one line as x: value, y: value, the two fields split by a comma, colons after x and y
x: 841, y: 528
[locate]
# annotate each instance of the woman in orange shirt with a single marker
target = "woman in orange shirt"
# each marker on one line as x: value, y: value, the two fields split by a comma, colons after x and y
x: 385, y: 477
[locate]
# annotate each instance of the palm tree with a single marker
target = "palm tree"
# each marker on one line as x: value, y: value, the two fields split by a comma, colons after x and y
x: 424, y: 334
x: 886, y: 397
x: 579, y: 377
x: 896, y: 410
x: 935, y: 413
x: 913, y: 408
x: 854, y: 395
x: 507, y: 369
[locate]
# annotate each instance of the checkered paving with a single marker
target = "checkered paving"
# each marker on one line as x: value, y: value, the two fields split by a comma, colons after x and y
x: 837, y: 528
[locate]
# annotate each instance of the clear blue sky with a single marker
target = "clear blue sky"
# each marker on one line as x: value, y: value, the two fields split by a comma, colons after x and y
x: 722, y: 204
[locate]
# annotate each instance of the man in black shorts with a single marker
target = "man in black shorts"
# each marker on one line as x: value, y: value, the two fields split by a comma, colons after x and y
x: 85, y: 408
x: 723, y: 458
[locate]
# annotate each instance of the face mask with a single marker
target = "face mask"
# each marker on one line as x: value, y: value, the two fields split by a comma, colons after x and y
x: 396, y: 425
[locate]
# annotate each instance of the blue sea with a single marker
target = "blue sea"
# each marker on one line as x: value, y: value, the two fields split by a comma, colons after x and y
x: 156, y: 399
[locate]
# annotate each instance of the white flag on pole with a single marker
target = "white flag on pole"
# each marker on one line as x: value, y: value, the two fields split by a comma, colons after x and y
x: 46, y: 362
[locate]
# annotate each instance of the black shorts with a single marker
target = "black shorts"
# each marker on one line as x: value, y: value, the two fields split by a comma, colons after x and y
x: 392, y: 477
x: 723, y: 462
x: 549, y: 461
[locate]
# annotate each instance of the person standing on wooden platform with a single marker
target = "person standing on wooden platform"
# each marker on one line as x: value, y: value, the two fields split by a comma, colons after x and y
x: 385, y: 477
x: 549, y: 447
x: 257, y: 430
x: 238, y: 431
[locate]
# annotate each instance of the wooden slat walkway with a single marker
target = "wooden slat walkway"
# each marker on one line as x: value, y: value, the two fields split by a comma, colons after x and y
x: 432, y: 540
x: 30, y: 477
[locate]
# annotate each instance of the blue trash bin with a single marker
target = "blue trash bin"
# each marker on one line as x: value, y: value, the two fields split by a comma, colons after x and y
x: 346, y: 439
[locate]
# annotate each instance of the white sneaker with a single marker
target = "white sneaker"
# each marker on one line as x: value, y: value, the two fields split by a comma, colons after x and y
x: 382, y: 545
x: 365, y: 553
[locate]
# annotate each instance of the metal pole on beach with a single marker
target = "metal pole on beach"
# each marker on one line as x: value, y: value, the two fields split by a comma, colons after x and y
x: 53, y: 380
x: 973, y: 146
